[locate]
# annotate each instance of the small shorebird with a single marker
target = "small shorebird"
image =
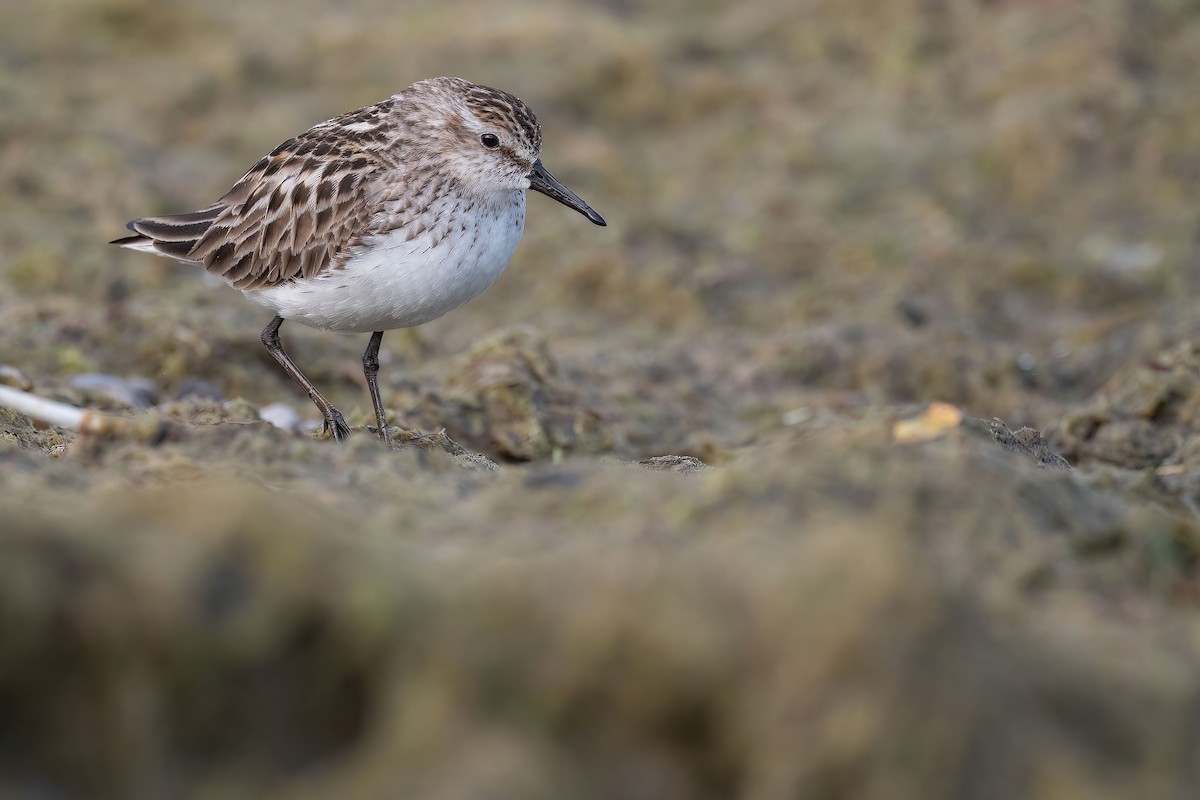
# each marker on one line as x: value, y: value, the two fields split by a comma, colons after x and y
x: 385, y: 217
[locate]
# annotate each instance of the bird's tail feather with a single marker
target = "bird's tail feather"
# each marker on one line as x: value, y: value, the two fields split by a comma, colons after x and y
x: 173, y: 235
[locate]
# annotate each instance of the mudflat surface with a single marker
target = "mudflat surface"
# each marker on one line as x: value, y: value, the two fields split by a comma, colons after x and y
x: 858, y: 457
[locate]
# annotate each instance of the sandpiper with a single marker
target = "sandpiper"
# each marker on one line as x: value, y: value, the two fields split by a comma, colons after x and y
x: 385, y: 217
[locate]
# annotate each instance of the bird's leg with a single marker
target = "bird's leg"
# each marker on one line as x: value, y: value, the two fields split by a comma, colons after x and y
x: 335, y: 425
x: 371, y: 371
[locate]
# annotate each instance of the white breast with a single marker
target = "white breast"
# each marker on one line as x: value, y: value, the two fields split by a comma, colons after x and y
x: 392, y: 281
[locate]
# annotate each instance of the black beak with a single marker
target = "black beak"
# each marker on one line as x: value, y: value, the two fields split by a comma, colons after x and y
x: 542, y: 181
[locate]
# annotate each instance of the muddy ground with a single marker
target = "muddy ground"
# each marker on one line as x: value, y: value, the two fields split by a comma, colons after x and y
x: 859, y: 457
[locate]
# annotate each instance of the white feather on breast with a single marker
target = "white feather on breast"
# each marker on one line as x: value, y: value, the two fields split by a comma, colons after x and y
x: 392, y: 281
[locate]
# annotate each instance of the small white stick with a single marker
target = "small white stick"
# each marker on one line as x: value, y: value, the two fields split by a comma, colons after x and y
x: 49, y: 411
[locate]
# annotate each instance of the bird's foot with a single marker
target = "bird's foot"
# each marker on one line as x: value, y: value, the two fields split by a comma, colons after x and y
x: 335, y: 427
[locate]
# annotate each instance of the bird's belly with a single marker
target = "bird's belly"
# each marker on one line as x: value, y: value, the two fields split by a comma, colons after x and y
x: 395, y: 282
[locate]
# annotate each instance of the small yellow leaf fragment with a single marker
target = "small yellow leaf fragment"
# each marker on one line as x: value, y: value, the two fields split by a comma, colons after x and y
x: 933, y: 423
x: 1171, y: 469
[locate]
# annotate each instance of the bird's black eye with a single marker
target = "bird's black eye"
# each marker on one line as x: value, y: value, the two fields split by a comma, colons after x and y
x: 489, y: 140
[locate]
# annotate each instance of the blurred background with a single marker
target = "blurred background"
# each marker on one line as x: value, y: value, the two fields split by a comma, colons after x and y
x: 823, y: 215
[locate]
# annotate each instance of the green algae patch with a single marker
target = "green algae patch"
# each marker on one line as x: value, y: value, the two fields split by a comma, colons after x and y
x: 17, y: 429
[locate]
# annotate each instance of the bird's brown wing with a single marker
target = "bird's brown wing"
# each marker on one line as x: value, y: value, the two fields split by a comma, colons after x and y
x: 293, y: 215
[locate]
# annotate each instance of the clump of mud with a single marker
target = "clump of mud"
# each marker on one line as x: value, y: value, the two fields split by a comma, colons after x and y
x: 505, y: 396
x: 1142, y: 429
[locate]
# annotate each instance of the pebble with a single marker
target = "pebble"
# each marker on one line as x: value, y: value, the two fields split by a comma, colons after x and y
x: 200, y: 389
x: 281, y: 416
x: 136, y: 392
x: 11, y: 376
